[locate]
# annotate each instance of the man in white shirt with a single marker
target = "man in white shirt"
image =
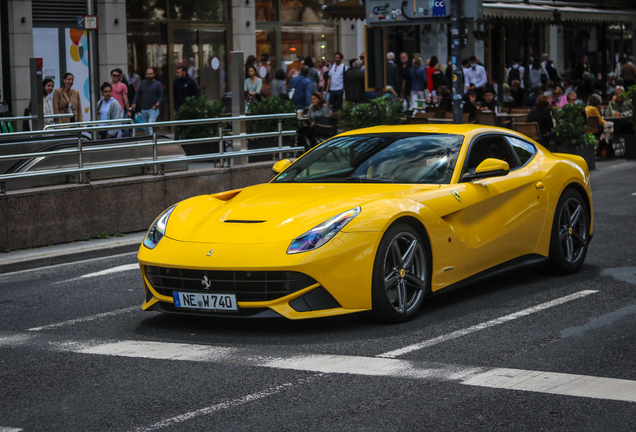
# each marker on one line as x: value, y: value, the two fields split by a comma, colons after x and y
x: 475, y: 77
x: 335, y: 83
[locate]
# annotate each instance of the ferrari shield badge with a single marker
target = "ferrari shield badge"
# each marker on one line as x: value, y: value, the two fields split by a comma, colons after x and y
x: 456, y: 195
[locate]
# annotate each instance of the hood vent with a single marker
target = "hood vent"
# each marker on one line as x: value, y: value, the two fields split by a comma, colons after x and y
x: 243, y: 221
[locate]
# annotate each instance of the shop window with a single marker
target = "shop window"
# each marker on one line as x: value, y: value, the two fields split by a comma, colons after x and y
x: 146, y: 9
x: 195, y: 10
x: 266, y: 10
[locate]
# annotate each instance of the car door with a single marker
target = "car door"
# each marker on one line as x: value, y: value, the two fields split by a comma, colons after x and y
x: 504, y: 215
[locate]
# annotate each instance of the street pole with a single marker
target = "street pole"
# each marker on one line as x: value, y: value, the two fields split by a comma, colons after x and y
x: 456, y: 41
x: 37, y: 94
x: 92, y: 74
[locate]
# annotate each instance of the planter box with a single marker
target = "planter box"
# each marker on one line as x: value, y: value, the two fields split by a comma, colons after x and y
x: 586, y: 152
x: 630, y: 146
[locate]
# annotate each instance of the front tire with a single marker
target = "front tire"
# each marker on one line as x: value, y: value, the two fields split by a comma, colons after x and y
x: 400, y: 274
x: 570, y: 233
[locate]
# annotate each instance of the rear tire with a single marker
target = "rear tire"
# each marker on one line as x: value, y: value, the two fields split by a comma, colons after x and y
x: 570, y: 233
x: 400, y: 274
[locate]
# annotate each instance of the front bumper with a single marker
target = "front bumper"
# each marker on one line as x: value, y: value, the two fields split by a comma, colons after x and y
x: 334, y: 279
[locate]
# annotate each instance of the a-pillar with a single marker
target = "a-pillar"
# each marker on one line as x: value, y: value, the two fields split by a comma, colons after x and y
x: 111, y: 39
x: 20, y: 50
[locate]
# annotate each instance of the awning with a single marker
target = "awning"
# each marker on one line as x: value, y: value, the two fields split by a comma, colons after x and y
x: 597, y: 15
x: 352, y: 9
x: 348, y: 9
x: 520, y: 11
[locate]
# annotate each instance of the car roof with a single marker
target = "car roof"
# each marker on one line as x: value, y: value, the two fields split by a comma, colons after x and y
x: 460, y: 129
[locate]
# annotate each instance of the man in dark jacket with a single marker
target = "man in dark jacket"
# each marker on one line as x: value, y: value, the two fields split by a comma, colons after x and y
x: 393, y: 77
x: 354, y: 83
x: 184, y: 86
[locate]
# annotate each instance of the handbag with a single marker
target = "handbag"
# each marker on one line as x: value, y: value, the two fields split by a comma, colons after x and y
x: 291, y: 91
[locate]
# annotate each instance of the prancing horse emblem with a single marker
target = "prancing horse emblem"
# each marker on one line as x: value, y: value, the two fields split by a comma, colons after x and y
x: 206, y: 283
x: 210, y: 252
x: 456, y: 195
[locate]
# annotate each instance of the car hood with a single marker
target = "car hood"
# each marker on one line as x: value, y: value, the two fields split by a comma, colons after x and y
x: 272, y: 212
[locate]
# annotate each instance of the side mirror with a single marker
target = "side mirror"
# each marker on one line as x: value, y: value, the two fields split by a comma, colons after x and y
x: 281, y: 165
x: 487, y: 168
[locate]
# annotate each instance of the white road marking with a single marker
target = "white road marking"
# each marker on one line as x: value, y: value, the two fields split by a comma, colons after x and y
x: 485, y: 325
x: 8, y: 429
x: 118, y: 269
x: 86, y: 319
x: 556, y: 383
x: 226, y: 405
x: 499, y: 378
x: 47, y: 268
x: 159, y: 350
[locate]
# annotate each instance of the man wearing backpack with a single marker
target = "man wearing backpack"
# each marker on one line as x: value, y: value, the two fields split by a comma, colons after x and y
x: 516, y: 72
x: 335, y: 83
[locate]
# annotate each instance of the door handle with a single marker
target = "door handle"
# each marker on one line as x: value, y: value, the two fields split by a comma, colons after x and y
x: 540, y: 185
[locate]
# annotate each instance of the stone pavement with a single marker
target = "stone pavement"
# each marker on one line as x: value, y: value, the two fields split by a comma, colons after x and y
x: 26, y: 259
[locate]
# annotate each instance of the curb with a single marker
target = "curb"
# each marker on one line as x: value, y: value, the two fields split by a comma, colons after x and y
x: 35, y: 262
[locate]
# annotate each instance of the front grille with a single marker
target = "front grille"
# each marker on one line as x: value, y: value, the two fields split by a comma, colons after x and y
x: 247, y: 285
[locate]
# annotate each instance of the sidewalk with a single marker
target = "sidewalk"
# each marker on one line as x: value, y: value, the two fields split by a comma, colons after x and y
x: 27, y: 259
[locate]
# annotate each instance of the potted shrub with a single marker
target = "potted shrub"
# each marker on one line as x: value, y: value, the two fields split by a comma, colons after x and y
x: 630, y: 140
x: 198, y: 108
x: 271, y: 105
x: 378, y: 111
x: 570, y: 133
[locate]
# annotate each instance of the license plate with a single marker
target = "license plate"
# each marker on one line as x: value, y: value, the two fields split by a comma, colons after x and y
x: 225, y: 302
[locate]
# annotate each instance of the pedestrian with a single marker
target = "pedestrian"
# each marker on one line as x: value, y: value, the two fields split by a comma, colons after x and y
x: 335, y: 83
x: 542, y: 116
x: 430, y: 70
x: 151, y: 94
x: 133, y: 78
x: 392, y: 72
x: 300, y: 89
x: 628, y: 73
x: 253, y: 84
x: 313, y: 75
x: 405, y: 80
x: 67, y: 100
x: 538, y: 75
x: 418, y: 82
x: 192, y: 70
x: 322, y: 70
x: 47, y: 106
x: 279, y: 85
x: 317, y: 113
x: 516, y: 91
x: 469, y: 105
x: 120, y: 94
x: 490, y: 103
x: 108, y: 108
x: 354, y: 83
x: 475, y: 77
x: 439, y: 78
x: 184, y: 87
x: 516, y: 72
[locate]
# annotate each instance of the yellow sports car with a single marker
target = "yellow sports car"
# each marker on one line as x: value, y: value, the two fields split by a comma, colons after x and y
x: 373, y: 219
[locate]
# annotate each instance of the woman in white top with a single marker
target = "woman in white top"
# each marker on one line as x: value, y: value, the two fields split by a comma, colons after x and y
x: 47, y: 89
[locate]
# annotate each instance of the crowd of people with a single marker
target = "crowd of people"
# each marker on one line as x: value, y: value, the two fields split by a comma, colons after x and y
x: 318, y: 87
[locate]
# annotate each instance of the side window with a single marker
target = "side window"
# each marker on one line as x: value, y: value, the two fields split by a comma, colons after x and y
x: 490, y: 147
x: 525, y: 151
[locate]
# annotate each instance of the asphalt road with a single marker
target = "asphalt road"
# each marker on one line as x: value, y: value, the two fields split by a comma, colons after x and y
x: 529, y: 351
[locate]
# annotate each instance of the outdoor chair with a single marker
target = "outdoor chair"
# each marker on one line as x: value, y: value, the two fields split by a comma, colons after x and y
x: 531, y: 130
x: 486, y: 118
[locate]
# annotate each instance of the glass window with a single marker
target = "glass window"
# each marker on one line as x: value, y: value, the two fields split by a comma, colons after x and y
x: 146, y: 9
x: 524, y: 149
x: 300, y: 11
x: 299, y: 42
x: 266, y: 10
x: 148, y: 48
x: 266, y: 53
x: 379, y: 158
x: 194, y: 10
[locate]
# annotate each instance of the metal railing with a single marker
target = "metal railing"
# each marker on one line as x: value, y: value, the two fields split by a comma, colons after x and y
x: 31, y: 117
x: 80, y: 150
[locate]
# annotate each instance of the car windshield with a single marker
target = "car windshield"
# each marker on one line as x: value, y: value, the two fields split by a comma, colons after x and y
x: 378, y: 158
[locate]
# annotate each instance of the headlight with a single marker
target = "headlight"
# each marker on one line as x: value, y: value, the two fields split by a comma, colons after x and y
x: 321, y: 234
x: 158, y: 229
